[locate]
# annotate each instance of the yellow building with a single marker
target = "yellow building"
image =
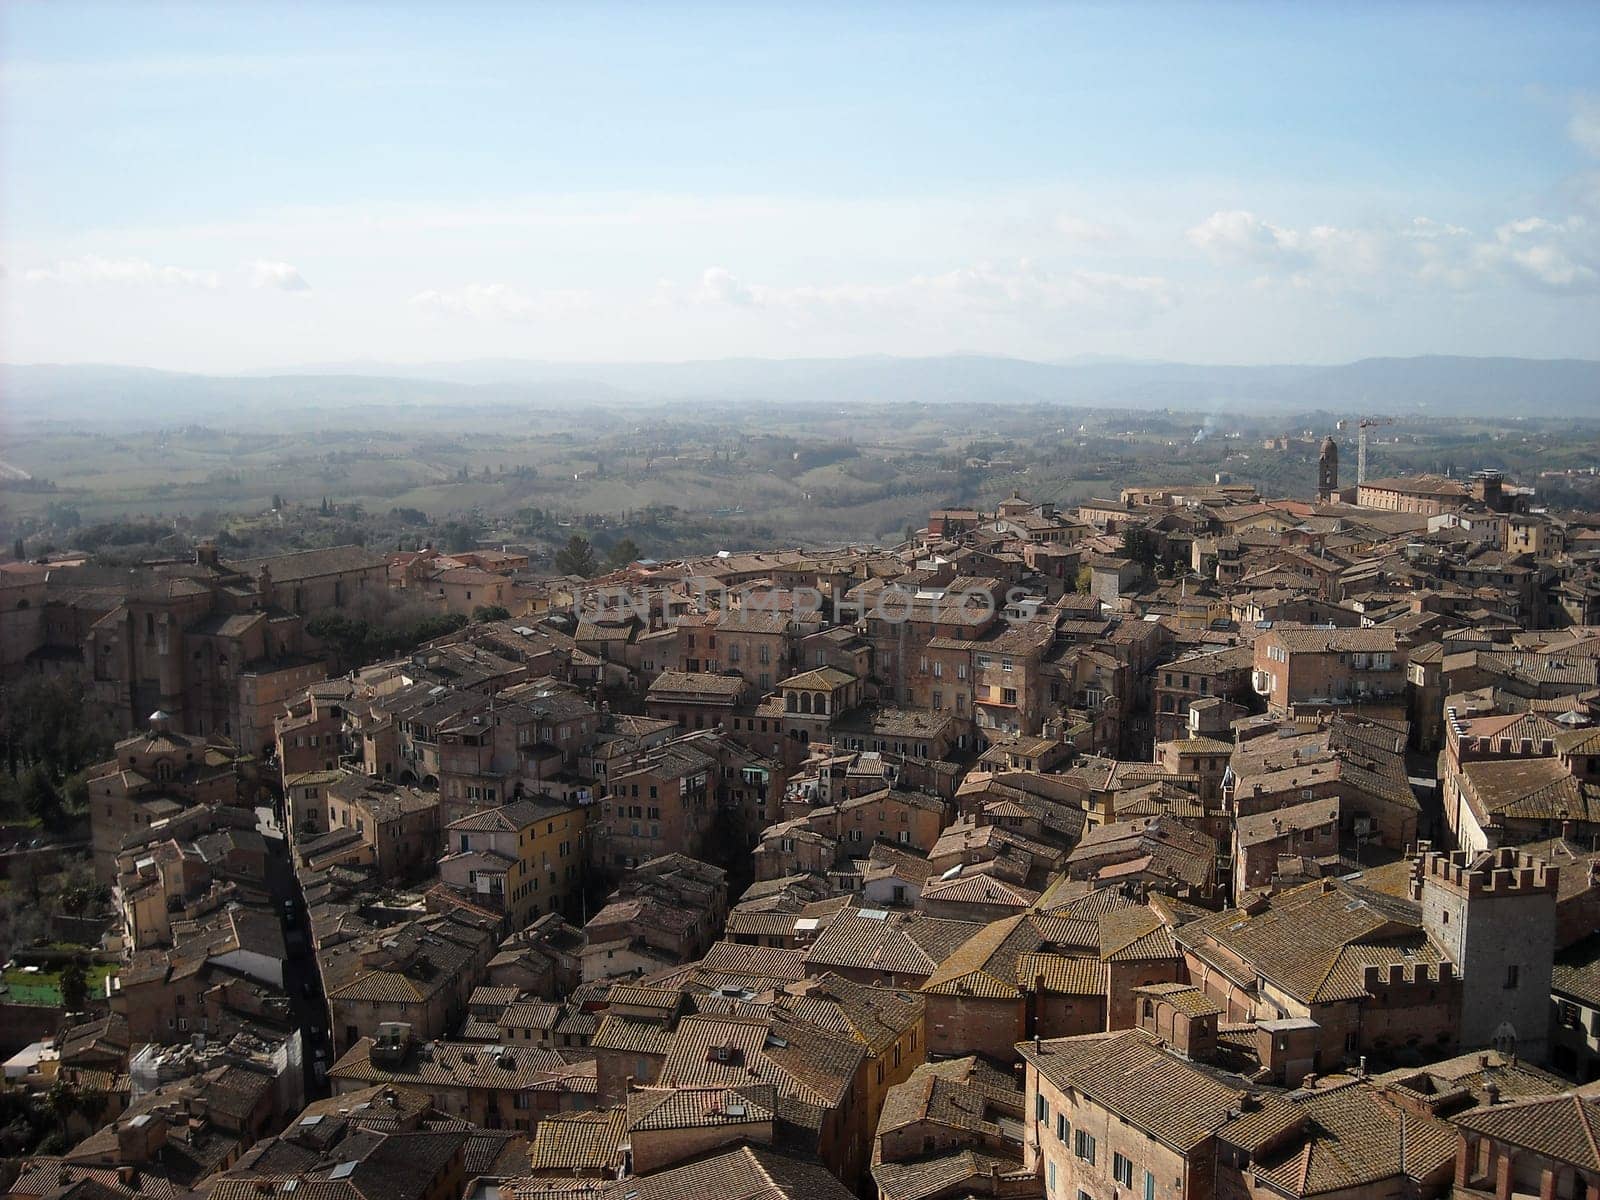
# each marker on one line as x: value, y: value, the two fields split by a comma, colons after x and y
x: 523, y: 859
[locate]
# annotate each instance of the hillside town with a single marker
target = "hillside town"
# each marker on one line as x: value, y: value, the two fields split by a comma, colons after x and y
x: 1187, y: 843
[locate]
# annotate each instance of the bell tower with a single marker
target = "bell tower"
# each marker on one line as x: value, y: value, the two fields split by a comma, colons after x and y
x: 1328, y: 471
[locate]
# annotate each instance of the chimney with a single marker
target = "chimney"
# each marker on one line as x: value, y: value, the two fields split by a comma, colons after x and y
x: 1492, y: 1092
x: 1361, y: 1067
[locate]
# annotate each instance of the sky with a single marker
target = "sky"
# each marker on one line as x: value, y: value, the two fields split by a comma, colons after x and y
x: 232, y: 187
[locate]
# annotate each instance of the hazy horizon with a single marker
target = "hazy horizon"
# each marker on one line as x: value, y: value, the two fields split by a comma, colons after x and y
x: 255, y: 188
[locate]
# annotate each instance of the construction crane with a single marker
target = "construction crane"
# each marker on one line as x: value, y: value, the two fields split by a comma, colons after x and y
x: 1365, y: 424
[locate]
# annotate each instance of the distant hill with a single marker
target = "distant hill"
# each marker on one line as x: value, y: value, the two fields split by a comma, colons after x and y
x: 1435, y: 385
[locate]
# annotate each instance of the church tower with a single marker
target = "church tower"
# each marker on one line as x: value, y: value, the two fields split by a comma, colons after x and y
x: 1328, y: 471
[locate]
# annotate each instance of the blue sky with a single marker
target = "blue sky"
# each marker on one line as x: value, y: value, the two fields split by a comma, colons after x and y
x: 236, y: 186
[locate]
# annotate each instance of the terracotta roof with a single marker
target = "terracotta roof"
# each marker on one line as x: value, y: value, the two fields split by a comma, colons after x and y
x: 579, y: 1141
x: 1565, y: 1127
x: 1133, y: 1077
x: 748, y: 1173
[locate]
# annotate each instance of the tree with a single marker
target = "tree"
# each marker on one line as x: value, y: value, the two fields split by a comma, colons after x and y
x: 277, y: 501
x: 491, y: 612
x: 39, y: 795
x: 576, y: 557
x: 53, y: 722
x: 74, y: 987
x: 624, y: 552
x: 18, y: 550
x: 457, y: 536
x: 1140, y: 546
x: 62, y: 1101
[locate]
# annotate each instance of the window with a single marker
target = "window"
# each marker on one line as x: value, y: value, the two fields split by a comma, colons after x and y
x: 1149, y: 1186
x: 1122, y: 1169
x: 1052, y: 1174
x: 1062, y: 1128
x: 1513, y: 973
x: 1083, y: 1146
x: 1041, y: 1108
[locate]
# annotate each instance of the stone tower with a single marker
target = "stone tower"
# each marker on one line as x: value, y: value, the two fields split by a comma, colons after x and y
x: 1328, y: 470
x: 1494, y: 913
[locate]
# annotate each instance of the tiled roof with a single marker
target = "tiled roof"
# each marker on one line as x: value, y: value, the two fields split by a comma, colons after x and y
x: 579, y: 1141
x: 801, y: 1061
x: 748, y: 1173
x: 942, y: 1175
x: 1285, y: 822
x: 1185, y: 997
x: 631, y: 1037
x: 469, y: 1065
x: 1298, y: 941
x: 986, y: 964
x: 1132, y: 1076
x: 898, y: 943
x: 1062, y: 975
x: 1565, y: 1127
x: 1529, y: 789
x: 655, y: 1108
x: 1577, y: 971
x: 769, y: 961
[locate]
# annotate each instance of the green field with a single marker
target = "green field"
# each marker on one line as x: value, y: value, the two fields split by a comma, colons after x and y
x: 44, y: 986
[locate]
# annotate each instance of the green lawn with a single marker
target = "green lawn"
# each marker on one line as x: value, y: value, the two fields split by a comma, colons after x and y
x: 44, y: 986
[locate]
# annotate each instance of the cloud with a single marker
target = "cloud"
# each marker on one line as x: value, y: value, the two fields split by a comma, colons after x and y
x: 1583, y: 127
x: 500, y: 301
x: 1243, y: 238
x: 1023, y: 288
x: 477, y: 300
x: 718, y: 286
x: 1553, y: 256
x: 92, y: 269
x: 278, y: 275
x: 1081, y: 229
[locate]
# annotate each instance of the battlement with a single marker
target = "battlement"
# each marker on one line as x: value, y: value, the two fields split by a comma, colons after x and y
x: 1505, y: 871
x: 1394, y: 975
